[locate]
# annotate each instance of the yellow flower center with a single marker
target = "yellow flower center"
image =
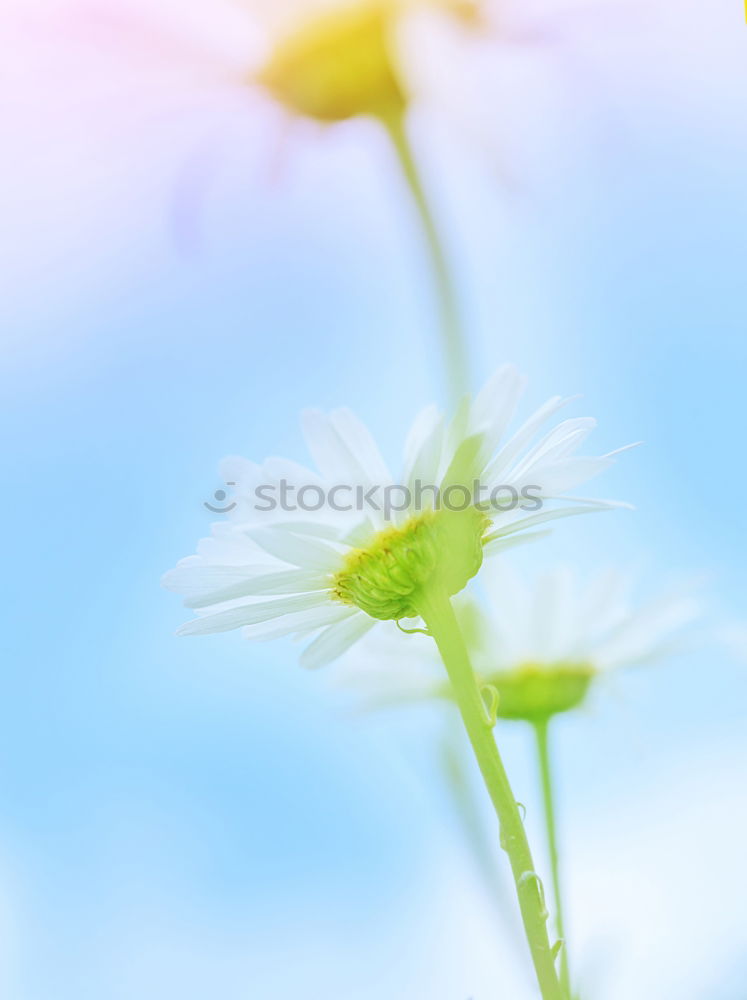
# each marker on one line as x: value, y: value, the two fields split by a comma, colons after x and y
x: 338, y: 64
x: 386, y: 579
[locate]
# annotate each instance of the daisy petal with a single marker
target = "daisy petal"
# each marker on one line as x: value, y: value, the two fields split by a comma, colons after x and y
x: 532, y: 520
x: 228, y: 545
x: 520, y: 538
x: 561, y: 441
x: 298, y: 623
x: 644, y: 633
x: 343, y: 449
x: 286, y: 582
x: 193, y: 576
x: 275, y: 470
x: 425, y: 463
x: 523, y: 436
x: 420, y: 431
x: 559, y: 477
x: 307, y: 553
x: 335, y: 640
x: 361, y: 444
x: 251, y: 614
x: 604, y: 603
x: 496, y: 403
x: 330, y: 455
x: 327, y: 532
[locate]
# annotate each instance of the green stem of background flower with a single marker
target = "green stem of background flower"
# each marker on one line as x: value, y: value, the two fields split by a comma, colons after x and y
x: 441, y: 621
x: 452, y: 337
x: 548, y: 797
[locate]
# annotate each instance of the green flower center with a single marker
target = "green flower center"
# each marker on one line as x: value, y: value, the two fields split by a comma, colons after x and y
x: 535, y: 692
x: 440, y: 549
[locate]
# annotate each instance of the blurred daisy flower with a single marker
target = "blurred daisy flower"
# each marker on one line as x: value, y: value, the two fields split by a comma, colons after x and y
x: 201, y: 73
x: 336, y: 60
x: 318, y: 61
x: 539, y: 650
x: 540, y: 645
x: 332, y: 570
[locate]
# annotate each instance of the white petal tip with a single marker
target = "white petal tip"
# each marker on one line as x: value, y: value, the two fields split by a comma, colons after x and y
x: 626, y: 447
x: 611, y: 505
x: 309, y: 664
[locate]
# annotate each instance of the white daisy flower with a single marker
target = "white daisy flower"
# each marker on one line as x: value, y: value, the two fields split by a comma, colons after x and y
x: 332, y: 573
x: 539, y: 645
x: 323, y: 60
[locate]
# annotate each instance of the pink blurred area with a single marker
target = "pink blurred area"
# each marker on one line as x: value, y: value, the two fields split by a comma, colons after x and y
x: 107, y: 105
x: 117, y: 108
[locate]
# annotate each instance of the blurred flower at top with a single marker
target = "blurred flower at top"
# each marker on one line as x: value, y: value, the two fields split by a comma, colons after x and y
x: 341, y: 59
x: 324, y: 61
x: 140, y: 109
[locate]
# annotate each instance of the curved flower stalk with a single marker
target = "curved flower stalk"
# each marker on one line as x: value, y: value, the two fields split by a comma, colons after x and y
x: 540, y: 649
x: 337, y: 575
x: 344, y: 60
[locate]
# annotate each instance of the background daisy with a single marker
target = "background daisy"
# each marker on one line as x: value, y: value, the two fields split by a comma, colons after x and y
x: 544, y: 629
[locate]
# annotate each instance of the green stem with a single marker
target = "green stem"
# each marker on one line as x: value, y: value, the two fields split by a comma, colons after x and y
x: 464, y: 796
x: 452, y: 338
x: 548, y: 797
x: 441, y: 621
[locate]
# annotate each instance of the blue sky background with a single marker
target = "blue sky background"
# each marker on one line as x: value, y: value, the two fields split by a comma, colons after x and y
x: 200, y: 817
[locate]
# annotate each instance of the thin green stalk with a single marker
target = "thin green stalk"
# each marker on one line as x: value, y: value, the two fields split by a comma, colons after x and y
x: 441, y: 621
x: 452, y: 337
x: 548, y: 797
x: 464, y: 796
